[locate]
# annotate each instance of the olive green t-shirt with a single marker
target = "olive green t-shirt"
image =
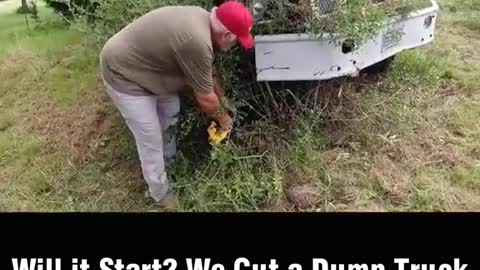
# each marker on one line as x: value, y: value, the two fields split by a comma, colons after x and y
x: 166, y: 51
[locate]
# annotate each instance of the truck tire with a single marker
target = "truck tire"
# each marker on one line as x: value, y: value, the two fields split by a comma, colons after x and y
x: 380, y: 67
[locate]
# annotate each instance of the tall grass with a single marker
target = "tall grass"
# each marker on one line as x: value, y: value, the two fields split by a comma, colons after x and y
x: 406, y: 140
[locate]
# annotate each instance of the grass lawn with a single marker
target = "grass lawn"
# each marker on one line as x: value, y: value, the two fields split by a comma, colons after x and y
x: 407, y: 142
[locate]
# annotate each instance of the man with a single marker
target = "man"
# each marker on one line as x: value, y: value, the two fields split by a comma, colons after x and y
x: 152, y: 60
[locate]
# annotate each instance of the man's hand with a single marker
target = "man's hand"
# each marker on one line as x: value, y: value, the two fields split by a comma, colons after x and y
x: 226, y: 122
x: 215, y: 104
x: 211, y: 106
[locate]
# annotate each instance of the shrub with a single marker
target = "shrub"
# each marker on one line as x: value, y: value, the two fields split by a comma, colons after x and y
x: 71, y: 8
x: 30, y: 8
x: 110, y: 16
x: 23, y: 10
x: 34, y: 10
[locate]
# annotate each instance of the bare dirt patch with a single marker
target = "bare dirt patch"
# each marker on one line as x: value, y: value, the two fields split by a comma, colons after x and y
x: 302, y: 192
x: 13, y: 67
x: 78, y: 130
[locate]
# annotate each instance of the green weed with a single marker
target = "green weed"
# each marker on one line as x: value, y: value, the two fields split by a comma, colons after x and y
x: 472, y: 24
x: 405, y: 142
x: 229, y: 180
x: 62, y: 82
x: 462, y: 5
x: 38, y: 183
x: 468, y: 177
x: 418, y: 68
x: 426, y: 200
x: 464, y: 118
x: 7, y: 120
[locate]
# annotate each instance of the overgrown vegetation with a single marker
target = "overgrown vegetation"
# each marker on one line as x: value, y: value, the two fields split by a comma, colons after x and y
x: 349, y: 19
x: 355, y: 20
x: 68, y: 9
x: 406, y: 140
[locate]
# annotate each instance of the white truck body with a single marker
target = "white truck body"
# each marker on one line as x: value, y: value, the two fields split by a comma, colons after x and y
x: 291, y: 57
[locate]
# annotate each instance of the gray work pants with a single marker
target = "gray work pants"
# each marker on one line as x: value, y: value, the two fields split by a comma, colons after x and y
x: 151, y: 120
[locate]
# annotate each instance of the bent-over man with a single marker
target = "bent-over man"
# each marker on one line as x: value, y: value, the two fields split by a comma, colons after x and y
x: 152, y: 60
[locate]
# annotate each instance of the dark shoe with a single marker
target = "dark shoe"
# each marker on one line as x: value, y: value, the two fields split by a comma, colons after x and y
x: 169, y: 202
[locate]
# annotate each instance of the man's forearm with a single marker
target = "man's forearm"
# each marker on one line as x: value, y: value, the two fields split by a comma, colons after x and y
x: 219, y: 91
x: 210, y: 105
x: 217, y: 87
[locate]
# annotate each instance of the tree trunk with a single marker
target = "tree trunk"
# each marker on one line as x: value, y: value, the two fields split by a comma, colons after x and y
x: 24, y: 4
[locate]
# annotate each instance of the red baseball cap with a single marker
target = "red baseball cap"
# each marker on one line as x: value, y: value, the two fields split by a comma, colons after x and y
x: 237, y: 19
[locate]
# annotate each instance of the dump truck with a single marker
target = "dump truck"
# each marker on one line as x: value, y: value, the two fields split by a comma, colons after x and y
x: 306, y: 57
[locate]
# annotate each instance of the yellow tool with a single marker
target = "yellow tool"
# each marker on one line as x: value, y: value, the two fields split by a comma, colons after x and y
x: 216, y: 136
